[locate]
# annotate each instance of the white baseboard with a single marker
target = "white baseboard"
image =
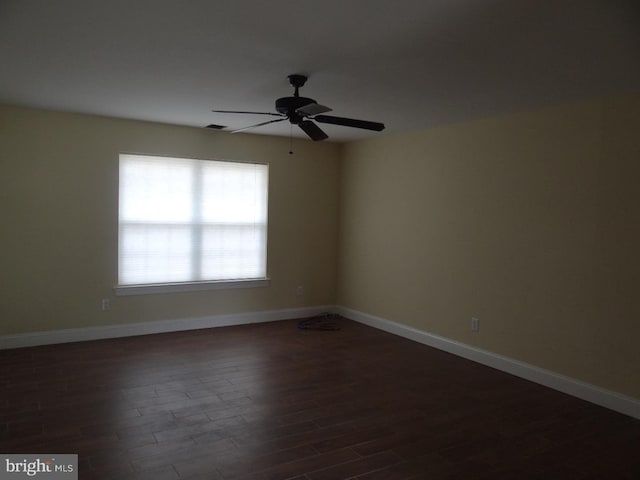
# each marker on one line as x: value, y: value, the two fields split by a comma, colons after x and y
x: 585, y: 391
x: 161, y: 326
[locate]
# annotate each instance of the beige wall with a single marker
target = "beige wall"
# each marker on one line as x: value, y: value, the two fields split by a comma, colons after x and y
x: 58, y: 204
x: 530, y: 222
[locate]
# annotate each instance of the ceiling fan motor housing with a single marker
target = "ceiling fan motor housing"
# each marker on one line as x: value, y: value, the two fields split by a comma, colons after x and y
x: 288, y: 106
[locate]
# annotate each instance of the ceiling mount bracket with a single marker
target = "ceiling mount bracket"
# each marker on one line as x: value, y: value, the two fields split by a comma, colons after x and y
x: 297, y: 80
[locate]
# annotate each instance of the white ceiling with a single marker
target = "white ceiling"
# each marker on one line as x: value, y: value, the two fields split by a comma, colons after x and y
x: 406, y: 63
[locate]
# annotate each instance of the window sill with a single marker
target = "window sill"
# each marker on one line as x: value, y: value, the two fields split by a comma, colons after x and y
x: 150, y: 289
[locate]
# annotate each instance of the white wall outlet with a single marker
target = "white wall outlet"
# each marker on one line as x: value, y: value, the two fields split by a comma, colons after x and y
x: 299, y: 290
x: 475, y: 324
x: 105, y: 305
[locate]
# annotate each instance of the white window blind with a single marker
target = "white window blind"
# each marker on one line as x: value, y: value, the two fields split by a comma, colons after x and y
x: 185, y: 220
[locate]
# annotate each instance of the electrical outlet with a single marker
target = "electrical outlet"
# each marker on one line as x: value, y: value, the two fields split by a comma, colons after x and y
x: 475, y: 324
x: 300, y: 290
x: 105, y: 304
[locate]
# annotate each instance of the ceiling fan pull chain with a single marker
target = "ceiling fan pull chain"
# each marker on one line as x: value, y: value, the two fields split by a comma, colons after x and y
x: 291, y: 139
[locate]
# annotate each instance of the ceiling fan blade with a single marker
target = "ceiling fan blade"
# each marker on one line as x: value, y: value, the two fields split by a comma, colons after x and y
x: 311, y: 129
x: 252, y: 113
x: 312, y: 109
x: 349, y: 122
x: 257, y: 125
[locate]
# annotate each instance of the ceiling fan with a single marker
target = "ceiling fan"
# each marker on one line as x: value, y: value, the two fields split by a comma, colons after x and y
x: 302, y: 110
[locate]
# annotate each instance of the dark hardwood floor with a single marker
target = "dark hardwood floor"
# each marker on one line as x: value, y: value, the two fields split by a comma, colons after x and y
x: 272, y: 402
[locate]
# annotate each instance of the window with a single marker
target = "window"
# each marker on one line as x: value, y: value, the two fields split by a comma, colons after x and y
x: 186, y: 221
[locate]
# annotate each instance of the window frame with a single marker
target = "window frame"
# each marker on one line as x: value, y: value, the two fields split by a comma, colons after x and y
x: 191, y: 285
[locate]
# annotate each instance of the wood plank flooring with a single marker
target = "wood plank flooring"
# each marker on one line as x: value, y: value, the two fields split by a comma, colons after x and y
x: 272, y: 402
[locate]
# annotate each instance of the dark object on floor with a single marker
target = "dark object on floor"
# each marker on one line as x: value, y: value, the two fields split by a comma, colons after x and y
x: 324, y: 321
